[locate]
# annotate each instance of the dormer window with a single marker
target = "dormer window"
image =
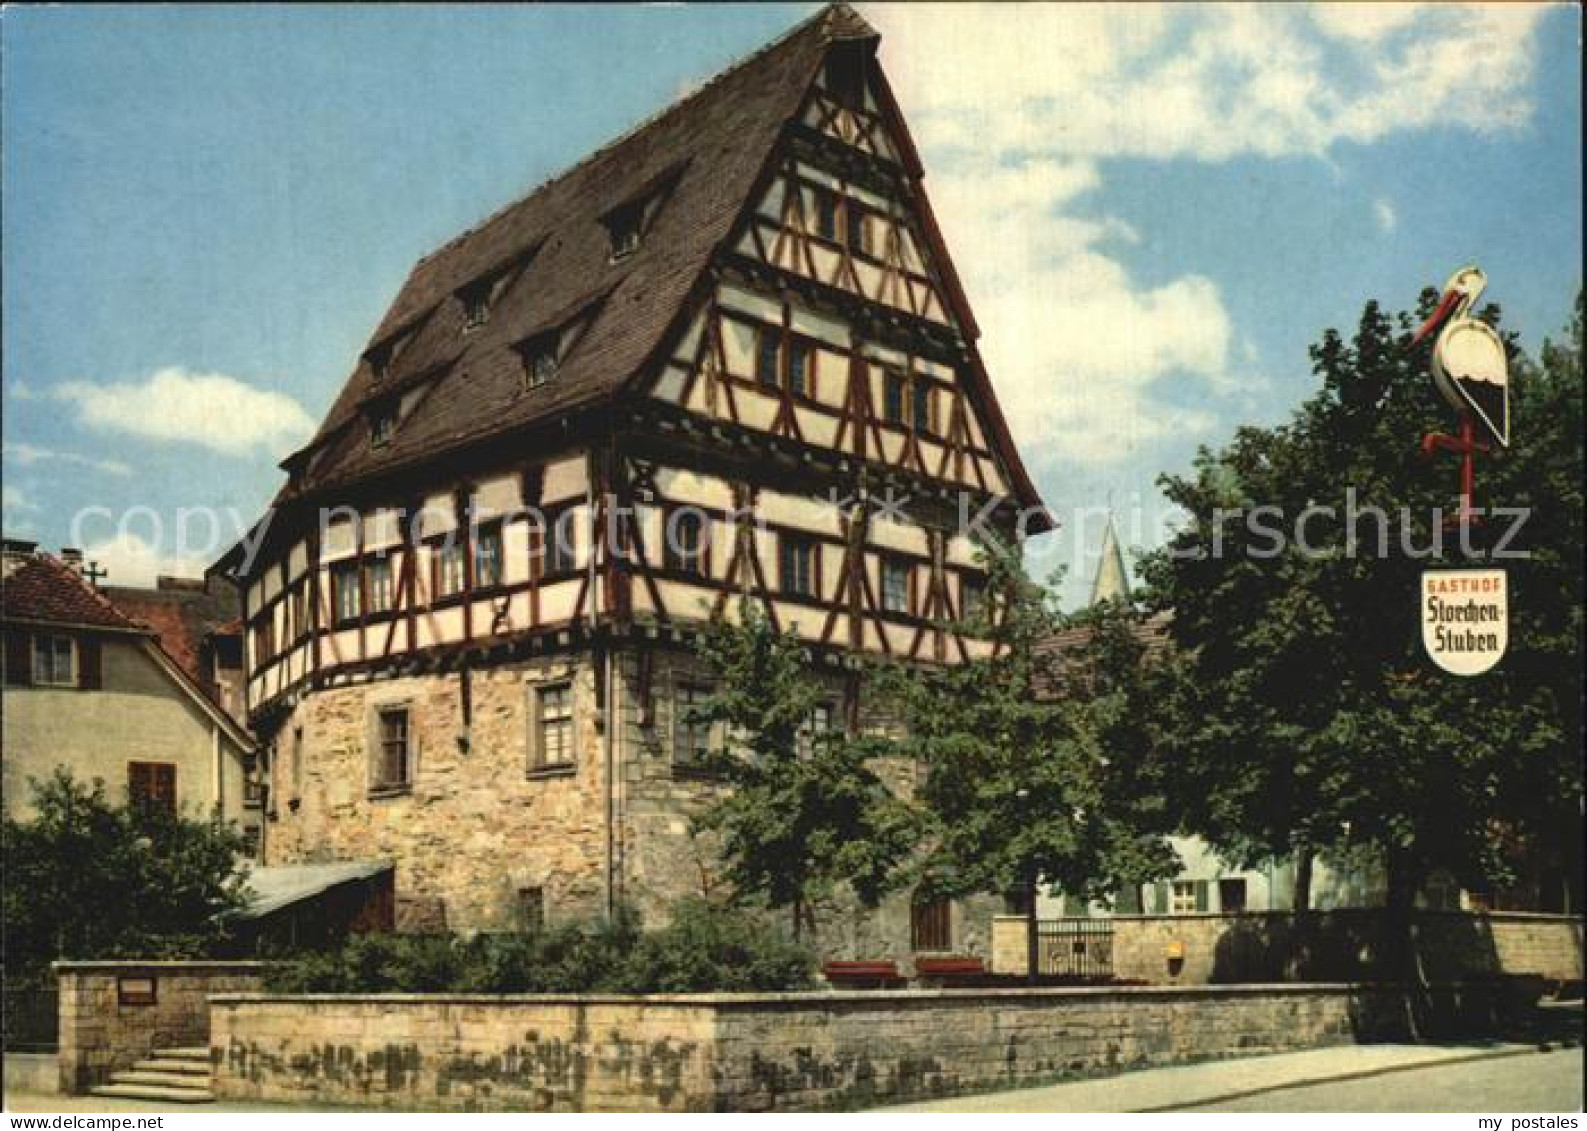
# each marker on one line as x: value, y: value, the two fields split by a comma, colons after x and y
x: 382, y: 423
x: 540, y: 361
x: 624, y: 226
x: 476, y: 304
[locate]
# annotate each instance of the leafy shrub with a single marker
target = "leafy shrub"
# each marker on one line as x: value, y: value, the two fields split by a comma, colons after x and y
x: 704, y: 948
x: 87, y: 878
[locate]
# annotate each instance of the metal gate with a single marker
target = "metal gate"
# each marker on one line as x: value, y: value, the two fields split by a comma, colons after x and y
x: 1075, y: 948
x: 32, y: 1017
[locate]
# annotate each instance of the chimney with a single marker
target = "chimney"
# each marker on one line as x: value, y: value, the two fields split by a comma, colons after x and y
x: 72, y: 559
x: 17, y: 551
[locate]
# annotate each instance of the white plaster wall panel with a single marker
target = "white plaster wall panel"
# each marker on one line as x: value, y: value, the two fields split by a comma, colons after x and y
x: 757, y: 306
x: 501, y: 495
x: 669, y: 386
x: 824, y: 328
x: 564, y: 479
x: 738, y: 347
x: 297, y: 560
x: 755, y: 410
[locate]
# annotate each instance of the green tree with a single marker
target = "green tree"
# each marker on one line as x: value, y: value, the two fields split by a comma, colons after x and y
x: 1038, y: 757
x: 805, y: 811
x: 1308, y: 718
x: 88, y: 879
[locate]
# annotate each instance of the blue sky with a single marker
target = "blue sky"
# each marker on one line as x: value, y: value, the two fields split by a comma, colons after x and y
x: 1155, y: 211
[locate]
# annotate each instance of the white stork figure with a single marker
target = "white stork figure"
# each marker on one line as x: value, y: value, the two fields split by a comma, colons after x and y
x: 1469, y: 366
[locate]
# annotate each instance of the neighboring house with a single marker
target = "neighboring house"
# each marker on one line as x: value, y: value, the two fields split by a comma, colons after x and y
x: 199, y: 626
x: 692, y: 367
x: 91, y: 688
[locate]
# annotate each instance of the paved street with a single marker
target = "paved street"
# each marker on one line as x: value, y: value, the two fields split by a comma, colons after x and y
x: 1355, y: 1078
x: 1539, y: 1082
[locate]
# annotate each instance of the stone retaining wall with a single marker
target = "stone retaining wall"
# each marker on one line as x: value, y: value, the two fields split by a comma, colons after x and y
x: 766, y: 1051
x: 1342, y: 945
x: 106, y: 1024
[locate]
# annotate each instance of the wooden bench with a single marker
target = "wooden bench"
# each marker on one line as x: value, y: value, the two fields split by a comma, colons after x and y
x: 948, y: 972
x: 876, y: 975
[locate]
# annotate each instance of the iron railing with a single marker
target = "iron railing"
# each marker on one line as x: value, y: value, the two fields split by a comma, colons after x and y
x: 31, y: 1018
x: 1075, y: 948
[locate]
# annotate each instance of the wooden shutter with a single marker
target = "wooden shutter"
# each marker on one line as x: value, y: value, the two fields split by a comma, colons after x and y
x: 1201, y: 895
x: 90, y: 666
x: 19, y: 658
x: 1165, y: 898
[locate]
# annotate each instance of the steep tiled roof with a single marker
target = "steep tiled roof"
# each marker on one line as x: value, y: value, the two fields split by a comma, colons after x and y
x: 180, y: 616
x: 43, y: 589
x: 709, y: 148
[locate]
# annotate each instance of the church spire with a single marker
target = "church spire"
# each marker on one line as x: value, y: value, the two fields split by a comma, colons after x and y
x: 1112, y: 579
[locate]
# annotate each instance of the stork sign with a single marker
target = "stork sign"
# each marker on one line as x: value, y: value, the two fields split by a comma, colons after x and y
x: 1465, y: 618
x: 1469, y: 366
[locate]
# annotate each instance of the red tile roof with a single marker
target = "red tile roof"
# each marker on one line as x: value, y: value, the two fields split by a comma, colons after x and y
x: 180, y: 617
x: 43, y: 589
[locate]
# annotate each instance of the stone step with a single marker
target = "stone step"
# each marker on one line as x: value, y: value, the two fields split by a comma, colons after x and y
x: 174, y: 1067
x: 155, y: 1093
x: 191, y: 1052
x: 137, y: 1074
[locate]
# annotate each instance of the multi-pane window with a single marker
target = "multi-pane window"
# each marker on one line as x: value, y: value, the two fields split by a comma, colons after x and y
x: 798, y: 566
x: 152, y: 785
x: 768, y: 352
x: 52, y: 661
x: 972, y: 598
x: 346, y: 594
x: 540, y: 359
x: 382, y: 423
x: 930, y: 925
x: 857, y: 230
x: 895, y: 585
x: 1183, y: 898
x: 691, y: 732
x: 377, y: 583
x: 393, y: 739
x: 684, y: 542
x: 921, y: 405
x: 448, y: 560
x: 559, y: 545
x: 554, y: 725
x: 818, y: 724
x: 893, y: 397
x: 264, y: 638
x: 826, y: 214
x: 487, y: 556
x: 798, y: 367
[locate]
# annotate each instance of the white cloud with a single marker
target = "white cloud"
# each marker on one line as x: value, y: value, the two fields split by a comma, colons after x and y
x: 30, y: 455
x: 1383, y: 212
x: 1020, y: 107
x: 210, y: 410
x: 22, y: 391
x: 131, y: 560
x: 15, y: 507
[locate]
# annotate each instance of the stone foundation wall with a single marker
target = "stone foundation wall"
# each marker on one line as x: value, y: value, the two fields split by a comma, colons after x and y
x: 478, y: 826
x: 102, y: 1030
x: 1322, y: 946
x: 764, y: 1052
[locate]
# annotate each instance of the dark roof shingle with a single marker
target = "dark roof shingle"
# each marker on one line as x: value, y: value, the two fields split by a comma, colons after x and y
x: 714, y: 142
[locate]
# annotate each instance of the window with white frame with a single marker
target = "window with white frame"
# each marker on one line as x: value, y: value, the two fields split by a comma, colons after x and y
x: 1182, y: 897
x: 448, y: 559
x: 54, y: 661
x: 553, y: 721
x: 377, y: 583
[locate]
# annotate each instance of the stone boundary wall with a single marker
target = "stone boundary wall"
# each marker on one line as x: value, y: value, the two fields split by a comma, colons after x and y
x: 755, y: 1052
x: 1341, y: 945
x: 106, y: 1026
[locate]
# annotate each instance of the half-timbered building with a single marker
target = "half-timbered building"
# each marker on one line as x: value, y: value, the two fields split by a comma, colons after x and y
x: 726, y: 355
